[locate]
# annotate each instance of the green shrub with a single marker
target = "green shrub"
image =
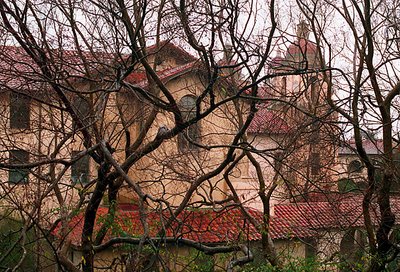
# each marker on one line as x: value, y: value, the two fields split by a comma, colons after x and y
x: 296, y: 265
x: 11, y: 250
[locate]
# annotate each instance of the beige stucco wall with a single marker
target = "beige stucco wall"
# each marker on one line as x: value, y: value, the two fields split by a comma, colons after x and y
x: 177, y: 170
x: 248, y: 185
x: 47, y: 129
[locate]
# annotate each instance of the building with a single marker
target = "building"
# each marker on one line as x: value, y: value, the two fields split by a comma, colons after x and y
x: 59, y: 141
x: 55, y: 129
x: 294, y: 127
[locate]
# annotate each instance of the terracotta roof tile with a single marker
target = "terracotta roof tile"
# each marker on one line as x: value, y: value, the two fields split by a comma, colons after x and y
x: 302, y: 46
x: 140, y: 79
x: 19, y: 70
x: 268, y: 121
x: 168, y: 47
x: 337, y: 214
x: 293, y: 220
x: 201, y: 225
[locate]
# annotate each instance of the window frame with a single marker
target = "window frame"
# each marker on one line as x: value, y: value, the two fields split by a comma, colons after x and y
x: 193, y: 131
x: 18, y: 156
x: 81, y: 106
x: 20, y: 111
x: 315, y: 163
x: 80, y: 174
x: 354, y: 166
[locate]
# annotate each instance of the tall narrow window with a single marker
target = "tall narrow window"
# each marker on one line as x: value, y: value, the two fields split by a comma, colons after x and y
x: 284, y: 86
x: 314, y: 134
x: 18, y: 175
x: 80, y: 169
x: 187, y: 106
x: 314, y: 90
x: 315, y: 163
x: 19, y: 111
x: 82, y: 109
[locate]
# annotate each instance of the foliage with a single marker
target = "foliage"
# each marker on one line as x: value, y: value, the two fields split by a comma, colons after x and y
x: 11, y: 250
x: 295, y: 265
x: 347, y: 185
x: 198, y: 261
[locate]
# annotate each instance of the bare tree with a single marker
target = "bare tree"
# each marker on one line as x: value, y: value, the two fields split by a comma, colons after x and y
x: 100, y: 107
x: 367, y: 90
x: 86, y: 125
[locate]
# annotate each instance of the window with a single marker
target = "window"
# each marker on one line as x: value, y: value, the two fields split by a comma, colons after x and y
x: 355, y: 166
x: 19, y: 111
x: 18, y: 175
x: 310, y: 248
x: 352, y: 249
x: 314, y: 133
x: 187, y: 106
x: 278, y: 158
x: 80, y: 169
x: 314, y: 90
x: 315, y: 162
x: 82, y: 109
x: 284, y: 86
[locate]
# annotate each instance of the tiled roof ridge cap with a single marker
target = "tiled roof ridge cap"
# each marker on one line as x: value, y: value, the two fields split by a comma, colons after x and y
x: 168, y: 72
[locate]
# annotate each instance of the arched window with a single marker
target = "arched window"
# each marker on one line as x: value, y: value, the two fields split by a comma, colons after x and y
x: 187, y: 105
x: 355, y: 166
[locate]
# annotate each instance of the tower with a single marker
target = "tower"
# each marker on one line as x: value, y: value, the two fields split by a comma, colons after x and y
x: 303, y: 105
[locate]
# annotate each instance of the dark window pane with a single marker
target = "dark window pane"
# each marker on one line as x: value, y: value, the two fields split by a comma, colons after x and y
x: 18, y: 175
x: 315, y: 162
x: 355, y: 166
x: 80, y: 169
x: 187, y: 106
x: 82, y: 109
x: 311, y: 248
x: 19, y: 111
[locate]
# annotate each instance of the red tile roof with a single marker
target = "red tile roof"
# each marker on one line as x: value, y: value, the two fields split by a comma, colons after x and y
x: 140, y: 79
x: 18, y: 70
x: 341, y: 212
x: 268, y: 121
x: 302, y: 46
x: 201, y: 225
x: 318, y: 215
x: 167, y: 47
x: 293, y: 220
x: 300, y: 51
